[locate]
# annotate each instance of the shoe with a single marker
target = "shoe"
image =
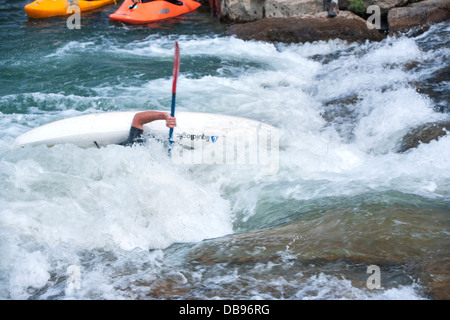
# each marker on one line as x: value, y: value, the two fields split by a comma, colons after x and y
x: 333, y: 10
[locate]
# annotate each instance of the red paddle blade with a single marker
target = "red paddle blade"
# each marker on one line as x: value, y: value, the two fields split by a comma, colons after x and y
x: 176, y: 67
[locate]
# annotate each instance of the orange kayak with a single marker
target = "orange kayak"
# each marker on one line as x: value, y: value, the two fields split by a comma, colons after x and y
x: 49, y: 8
x: 144, y: 12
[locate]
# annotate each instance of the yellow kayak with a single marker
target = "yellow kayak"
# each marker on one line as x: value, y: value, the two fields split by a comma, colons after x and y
x: 49, y: 8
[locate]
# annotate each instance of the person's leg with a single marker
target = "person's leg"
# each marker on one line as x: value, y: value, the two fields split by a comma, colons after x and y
x: 333, y: 10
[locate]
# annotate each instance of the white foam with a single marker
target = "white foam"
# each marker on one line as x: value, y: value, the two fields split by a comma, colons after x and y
x: 70, y: 47
x: 117, y: 197
x: 326, y: 287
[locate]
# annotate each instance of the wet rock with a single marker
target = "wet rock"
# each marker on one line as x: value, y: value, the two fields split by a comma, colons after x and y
x: 435, y: 88
x: 344, y: 242
x: 420, y: 14
x: 423, y: 134
x: 307, y: 28
x: 380, y: 237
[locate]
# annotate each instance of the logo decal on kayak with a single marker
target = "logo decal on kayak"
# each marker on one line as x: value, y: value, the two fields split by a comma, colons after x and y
x: 164, y: 11
x: 197, y: 137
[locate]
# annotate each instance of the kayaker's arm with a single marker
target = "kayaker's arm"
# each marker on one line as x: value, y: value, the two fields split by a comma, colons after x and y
x: 144, y: 117
x: 141, y: 118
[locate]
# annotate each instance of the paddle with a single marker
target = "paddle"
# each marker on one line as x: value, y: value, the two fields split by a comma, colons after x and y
x: 176, y: 70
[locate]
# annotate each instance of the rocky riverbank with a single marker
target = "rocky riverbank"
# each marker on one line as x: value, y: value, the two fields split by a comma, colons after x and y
x: 307, y: 28
x: 307, y: 20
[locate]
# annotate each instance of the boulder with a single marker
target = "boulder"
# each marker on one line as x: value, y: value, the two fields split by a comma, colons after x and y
x: 424, y: 134
x: 399, y: 17
x: 238, y: 11
x: 251, y: 10
x: 307, y: 28
x: 418, y: 14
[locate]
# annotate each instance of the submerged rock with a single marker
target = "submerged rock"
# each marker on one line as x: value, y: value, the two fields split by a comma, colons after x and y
x: 307, y: 28
x: 343, y: 242
x: 424, y: 134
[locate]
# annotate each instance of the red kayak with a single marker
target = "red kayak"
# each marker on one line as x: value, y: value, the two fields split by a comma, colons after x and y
x: 145, y: 11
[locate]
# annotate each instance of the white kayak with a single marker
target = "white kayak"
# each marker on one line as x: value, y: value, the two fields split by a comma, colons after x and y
x: 243, y: 139
x: 102, y: 129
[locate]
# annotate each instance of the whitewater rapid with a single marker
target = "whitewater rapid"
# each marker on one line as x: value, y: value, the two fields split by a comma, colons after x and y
x: 127, y: 216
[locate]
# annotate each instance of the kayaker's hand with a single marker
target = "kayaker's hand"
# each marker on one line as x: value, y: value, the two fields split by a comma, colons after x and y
x: 170, y: 121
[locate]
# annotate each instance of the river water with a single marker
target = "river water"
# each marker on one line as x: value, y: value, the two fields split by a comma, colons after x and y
x: 125, y: 223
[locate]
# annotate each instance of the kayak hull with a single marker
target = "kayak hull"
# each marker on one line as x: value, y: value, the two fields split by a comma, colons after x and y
x: 151, y: 11
x: 49, y: 8
x: 102, y: 129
